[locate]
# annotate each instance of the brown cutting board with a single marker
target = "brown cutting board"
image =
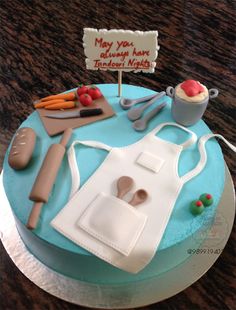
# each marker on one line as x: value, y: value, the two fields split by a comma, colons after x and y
x: 56, y: 126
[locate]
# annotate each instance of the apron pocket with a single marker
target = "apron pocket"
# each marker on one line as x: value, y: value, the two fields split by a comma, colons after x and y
x: 114, y: 222
x: 150, y: 161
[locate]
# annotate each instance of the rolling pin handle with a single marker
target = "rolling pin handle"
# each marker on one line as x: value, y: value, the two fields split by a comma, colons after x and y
x: 66, y: 137
x: 34, y: 215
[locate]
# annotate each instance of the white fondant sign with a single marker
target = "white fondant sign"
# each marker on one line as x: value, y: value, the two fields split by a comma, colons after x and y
x: 123, y: 50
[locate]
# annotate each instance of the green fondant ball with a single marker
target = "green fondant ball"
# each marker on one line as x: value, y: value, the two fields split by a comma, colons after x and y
x: 206, y: 199
x: 196, y: 207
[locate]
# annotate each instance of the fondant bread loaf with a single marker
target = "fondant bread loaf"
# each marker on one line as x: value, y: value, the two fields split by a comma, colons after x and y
x: 22, y: 148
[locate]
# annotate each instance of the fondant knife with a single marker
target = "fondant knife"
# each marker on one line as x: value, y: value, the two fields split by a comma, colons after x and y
x: 75, y: 114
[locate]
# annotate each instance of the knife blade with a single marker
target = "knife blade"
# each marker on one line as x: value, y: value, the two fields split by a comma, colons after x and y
x: 75, y: 114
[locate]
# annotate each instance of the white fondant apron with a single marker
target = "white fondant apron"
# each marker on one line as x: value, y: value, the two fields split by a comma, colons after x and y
x: 125, y: 236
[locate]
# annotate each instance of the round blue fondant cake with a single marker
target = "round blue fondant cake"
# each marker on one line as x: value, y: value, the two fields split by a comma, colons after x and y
x: 69, y: 259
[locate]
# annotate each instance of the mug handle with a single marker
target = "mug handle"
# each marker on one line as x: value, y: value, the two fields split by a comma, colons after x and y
x: 213, y: 93
x: 170, y: 91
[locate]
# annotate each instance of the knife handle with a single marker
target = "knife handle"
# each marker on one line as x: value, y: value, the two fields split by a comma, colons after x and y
x: 90, y: 112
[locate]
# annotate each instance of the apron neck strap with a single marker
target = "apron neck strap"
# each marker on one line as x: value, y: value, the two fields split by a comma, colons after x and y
x: 203, y: 155
x: 74, y: 169
x: 185, y: 144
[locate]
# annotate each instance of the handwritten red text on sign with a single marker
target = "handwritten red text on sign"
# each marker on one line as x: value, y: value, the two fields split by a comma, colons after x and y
x: 120, y: 50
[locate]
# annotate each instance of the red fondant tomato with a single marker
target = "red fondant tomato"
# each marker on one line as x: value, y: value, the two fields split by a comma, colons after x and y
x: 94, y: 92
x: 82, y: 89
x: 85, y: 99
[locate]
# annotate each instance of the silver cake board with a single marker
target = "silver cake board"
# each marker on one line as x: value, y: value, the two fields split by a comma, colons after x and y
x: 125, y: 296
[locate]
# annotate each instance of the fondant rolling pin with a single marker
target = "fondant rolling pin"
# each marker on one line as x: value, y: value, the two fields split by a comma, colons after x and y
x: 46, y: 177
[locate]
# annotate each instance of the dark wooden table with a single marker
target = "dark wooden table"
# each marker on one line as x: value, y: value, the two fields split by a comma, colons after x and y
x: 42, y: 53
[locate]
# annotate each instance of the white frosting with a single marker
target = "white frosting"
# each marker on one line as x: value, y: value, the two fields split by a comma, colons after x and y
x: 179, y: 92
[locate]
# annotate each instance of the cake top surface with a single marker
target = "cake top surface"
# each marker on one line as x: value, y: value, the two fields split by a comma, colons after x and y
x: 116, y: 131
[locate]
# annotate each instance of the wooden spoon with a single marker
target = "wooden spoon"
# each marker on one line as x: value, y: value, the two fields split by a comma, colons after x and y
x: 124, y: 185
x: 139, y: 197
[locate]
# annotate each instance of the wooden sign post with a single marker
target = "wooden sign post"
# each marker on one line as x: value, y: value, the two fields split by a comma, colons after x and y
x: 120, y: 50
x: 119, y: 83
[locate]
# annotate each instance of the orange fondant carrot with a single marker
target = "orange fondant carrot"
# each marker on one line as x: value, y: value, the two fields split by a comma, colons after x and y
x: 61, y: 105
x: 68, y: 96
x: 42, y: 104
